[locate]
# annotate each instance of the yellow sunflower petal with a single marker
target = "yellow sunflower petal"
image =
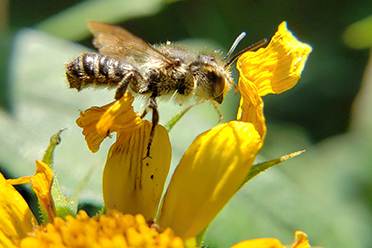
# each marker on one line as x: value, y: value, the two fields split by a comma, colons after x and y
x: 16, y: 217
x: 251, y: 106
x: 132, y: 184
x: 41, y: 184
x: 208, y: 175
x: 119, y: 116
x: 88, y: 121
x: 301, y: 240
x: 278, y: 67
x: 259, y: 243
x: 98, y: 122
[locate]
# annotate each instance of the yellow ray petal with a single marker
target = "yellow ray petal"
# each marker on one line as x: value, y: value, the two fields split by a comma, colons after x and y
x: 207, y: 176
x: 132, y: 184
x: 41, y: 184
x: 251, y: 106
x: 16, y: 217
x: 98, y: 122
x: 259, y: 243
x: 119, y: 116
x: 301, y: 240
x: 278, y: 67
x: 88, y: 121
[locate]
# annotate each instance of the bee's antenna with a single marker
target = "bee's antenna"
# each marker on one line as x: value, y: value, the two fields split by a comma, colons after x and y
x: 250, y: 48
x: 236, y: 42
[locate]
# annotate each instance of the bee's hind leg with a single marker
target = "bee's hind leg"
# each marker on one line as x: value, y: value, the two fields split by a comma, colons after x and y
x: 144, y: 113
x: 131, y: 78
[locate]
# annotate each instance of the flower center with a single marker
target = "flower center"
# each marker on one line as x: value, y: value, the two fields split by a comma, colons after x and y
x: 113, y: 230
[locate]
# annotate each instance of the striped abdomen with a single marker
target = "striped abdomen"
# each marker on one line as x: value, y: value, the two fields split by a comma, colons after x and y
x: 92, y: 69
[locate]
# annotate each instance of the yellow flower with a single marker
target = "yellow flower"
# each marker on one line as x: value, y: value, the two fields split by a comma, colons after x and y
x: 216, y: 163
x: 18, y: 226
x: 208, y: 175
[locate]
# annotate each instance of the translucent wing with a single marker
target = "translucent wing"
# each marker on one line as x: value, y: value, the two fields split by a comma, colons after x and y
x: 116, y: 41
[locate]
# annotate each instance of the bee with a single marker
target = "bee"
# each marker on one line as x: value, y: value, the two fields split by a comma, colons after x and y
x: 160, y: 71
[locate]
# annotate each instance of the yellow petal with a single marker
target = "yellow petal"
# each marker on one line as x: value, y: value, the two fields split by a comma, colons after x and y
x: 301, y: 240
x: 41, y: 184
x: 16, y: 217
x: 208, y: 175
x: 259, y: 243
x: 132, y: 184
x: 278, y: 67
x: 251, y: 106
x: 98, y: 122
x: 88, y: 121
x: 119, y: 116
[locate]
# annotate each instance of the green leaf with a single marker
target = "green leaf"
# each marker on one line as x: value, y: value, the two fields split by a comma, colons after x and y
x: 359, y: 35
x: 71, y: 23
x: 263, y: 166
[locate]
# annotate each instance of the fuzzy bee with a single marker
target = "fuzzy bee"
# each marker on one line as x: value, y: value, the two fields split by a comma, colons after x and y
x: 164, y: 71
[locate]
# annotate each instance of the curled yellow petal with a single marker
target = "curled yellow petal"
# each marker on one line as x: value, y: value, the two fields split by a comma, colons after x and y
x: 301, y: 240
x: 98, y: 122
x: 278, y: 67
x: 251, y: 106
x: 120, y: 116
x: 132, y: 183
x: 88, y: 121
x: 16, y: 217
x: 207, y: 176
x: 41, y: 184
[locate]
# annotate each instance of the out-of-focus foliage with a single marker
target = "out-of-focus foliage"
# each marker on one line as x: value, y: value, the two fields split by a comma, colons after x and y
x: 359, y: 35
x: 326, y: 192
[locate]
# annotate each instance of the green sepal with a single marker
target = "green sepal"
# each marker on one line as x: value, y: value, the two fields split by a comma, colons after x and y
x: 260, y: 167
x: 200, y: 238
x: 62, y: 203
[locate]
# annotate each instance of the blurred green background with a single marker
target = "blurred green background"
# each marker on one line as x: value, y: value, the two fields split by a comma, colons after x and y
x: 327, y: 192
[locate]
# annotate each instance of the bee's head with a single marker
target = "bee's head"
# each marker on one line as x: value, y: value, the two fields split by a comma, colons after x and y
x: 212, y: 80
x: 212, y: 77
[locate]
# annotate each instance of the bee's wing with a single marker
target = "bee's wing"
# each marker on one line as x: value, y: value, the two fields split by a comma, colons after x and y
x: 114, y: 40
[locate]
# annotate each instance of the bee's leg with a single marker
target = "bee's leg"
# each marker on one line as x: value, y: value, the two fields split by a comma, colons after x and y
x: 155, y: 120
x: 144, y: 113
x: 123, y: 85
x: 132, y: 77
x: 218, y: 110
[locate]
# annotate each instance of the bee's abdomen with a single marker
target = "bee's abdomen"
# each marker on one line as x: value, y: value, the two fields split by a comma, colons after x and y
x: 92, y: 69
